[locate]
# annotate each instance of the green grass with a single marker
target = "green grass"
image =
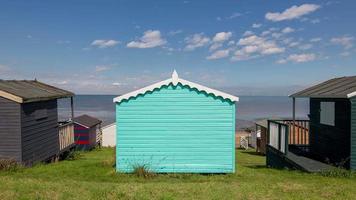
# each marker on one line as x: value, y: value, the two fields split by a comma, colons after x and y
x: 93, y: 177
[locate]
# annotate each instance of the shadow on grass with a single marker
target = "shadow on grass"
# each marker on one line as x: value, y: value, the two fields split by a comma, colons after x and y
x: 254, y: 153
x: 257, y: 166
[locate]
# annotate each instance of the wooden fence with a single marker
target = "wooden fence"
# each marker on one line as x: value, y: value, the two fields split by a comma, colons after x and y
x: 66, y: 135
x: 298, y: 131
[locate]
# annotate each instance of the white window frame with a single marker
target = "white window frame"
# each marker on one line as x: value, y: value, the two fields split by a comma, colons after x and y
x: 327, y: 113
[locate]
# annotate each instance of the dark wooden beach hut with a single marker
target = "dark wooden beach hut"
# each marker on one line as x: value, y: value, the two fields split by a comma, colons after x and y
x: 87, y: 132
x: 332, y: 128
x: 29, y: 127
x: 261, y: 136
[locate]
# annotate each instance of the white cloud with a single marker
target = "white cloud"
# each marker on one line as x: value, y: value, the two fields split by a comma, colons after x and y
x: 101, y: 68
x: 346, y: 53
x: 345, y: 41
x: 256, y: 25
x: 222, y: 36
x: 277, y: 35
x: 176, y: 32
x: 264, y: 33
x: 248, y: 33
x: 251, y: 40
x: 293, y: 44
x: 288, y: 30
x: 254, y: 46
x: 292, y: 12
x: 215, y: 46
x: 4, y: 68
x: 234, y: 15
x: 104, y: 43
x: 62, y: 82
x: 196, y: 41
x: 298, y: 58
x: 315, y: 21
x: 218, y: 54
x: 305, y: 46
x: 230, y: 43
x: 116, y: 84
x: 150, y: 39
x: 317, y: 39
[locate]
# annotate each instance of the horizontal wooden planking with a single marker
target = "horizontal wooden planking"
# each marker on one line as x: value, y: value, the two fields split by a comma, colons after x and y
x: 176, y: 120
x: 179, y: 126
x: 170, y: 137
x: 40, y: 136
x: 353, y: 134
x: 175, y: 128
x: 178, y: 132
x: 10, y: 129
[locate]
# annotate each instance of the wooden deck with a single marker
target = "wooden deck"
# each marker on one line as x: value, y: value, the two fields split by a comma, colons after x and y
x: 279, y: 160
x: 307, y: 164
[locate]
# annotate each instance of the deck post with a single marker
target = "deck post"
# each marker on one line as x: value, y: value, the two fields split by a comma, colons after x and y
x: 72, y: 108
x: 293, y: 120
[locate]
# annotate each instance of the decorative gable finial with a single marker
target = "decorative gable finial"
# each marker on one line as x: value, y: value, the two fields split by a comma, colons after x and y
x: 175, y: 78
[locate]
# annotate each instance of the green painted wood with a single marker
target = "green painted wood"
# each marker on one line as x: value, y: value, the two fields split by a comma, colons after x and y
x: 353, y: 133
x: 331, y: 143
x: 176, y: 129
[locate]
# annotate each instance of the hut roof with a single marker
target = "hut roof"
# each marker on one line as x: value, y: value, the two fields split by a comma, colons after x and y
x: 24, y: 91
x: 343, y: 87
x: 175, y: 80
x: 87, y: 121
x: 263, y: 123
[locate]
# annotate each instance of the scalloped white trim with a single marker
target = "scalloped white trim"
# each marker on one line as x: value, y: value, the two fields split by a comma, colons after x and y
x: 175, y: 80
x: 351, y: 94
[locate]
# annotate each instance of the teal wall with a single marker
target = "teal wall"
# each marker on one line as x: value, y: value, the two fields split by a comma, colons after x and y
x: 353, y: 134
x: 176, y: 129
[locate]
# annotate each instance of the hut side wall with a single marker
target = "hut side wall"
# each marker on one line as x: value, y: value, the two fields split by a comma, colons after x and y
x: 331, y: 143
x: 10, y: 129
x: 92, y: 136
x: 39, y: 124
x: 353, y: 133
x: 176, y: 129
x: 81, y: 137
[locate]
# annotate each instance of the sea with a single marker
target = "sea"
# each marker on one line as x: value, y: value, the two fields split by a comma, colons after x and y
x: 249, y: 108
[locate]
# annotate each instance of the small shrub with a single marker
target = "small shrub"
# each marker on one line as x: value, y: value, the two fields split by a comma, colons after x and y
x: 337, y: 173
x: 143, y: 171
x: 9, y: 165
x: 72, y: 155
x: 111, y: 162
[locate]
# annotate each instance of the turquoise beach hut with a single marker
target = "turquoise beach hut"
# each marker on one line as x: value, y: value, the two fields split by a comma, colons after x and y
x: 176, y: 126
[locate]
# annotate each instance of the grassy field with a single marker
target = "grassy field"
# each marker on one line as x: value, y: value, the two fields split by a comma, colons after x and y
x: 93, y: 177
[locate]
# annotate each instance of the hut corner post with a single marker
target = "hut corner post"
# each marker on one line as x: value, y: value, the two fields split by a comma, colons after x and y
x: 293, y: 119
x: 72, y: 108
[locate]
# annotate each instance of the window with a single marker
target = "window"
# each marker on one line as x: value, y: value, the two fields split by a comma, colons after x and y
x: 41, y: 114
x: 327, y: 113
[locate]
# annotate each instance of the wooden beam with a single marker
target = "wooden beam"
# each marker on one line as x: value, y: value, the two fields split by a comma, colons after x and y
x: 294, y: 120
x: 11, y: 97
x: 72, y: 107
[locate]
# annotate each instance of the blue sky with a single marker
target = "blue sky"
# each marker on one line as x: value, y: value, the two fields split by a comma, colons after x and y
x: 244, y: 47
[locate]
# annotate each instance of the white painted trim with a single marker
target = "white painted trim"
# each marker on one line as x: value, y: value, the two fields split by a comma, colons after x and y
x: 81, y: 124
x: 109, y: 125
x: 352, y: 94
x: 11, y: 97
x: 175, y: 80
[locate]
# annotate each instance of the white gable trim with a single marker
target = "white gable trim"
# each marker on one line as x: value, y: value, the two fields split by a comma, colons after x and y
x: 352, y: 94
x: 82, y: 125
x: 175, y: 80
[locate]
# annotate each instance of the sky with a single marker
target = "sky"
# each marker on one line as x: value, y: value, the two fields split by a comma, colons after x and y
x: 249, y: 47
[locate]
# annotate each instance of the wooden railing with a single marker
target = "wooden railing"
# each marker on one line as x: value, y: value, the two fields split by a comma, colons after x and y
x: 278, y: 134
x: 298, y: 131
x: 66, y: 135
